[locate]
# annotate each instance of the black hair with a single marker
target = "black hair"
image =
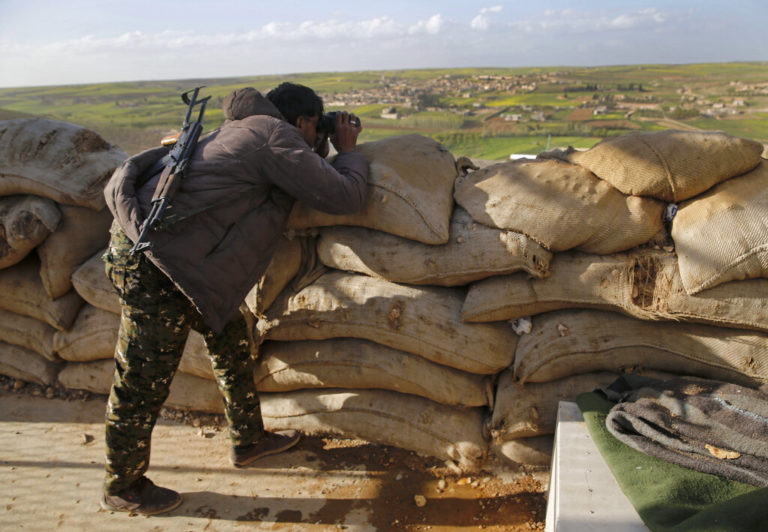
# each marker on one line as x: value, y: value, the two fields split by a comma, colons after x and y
x: 294, y: 100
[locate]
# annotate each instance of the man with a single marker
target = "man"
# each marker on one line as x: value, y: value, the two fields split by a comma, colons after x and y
x: 215, y: 242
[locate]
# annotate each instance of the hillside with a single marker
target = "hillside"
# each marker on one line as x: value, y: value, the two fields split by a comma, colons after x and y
x: 485, y: 113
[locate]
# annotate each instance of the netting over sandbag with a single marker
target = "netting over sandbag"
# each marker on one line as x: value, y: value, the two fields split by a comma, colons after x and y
x: 645, y: 284
x: 81, y: 232
x: 669, y: 165
x: 26, y: 365
x: 187, y: 391
x: 560, y: 205
x: 21, y: 291
x: 90, y: 281
x: 571, y: 342
x: 410, y: 189
x: 28, y: 333
x: 384, y: 417
x: 351, y: 363
x: 25, y: 222
x: 56, y: 160
x: 722, y: 235
x: 474, y: 251
x: 526, y: 410
x: 424, y: 321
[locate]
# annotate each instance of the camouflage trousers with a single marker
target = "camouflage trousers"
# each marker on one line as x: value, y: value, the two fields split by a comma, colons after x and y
x: 155, y: 322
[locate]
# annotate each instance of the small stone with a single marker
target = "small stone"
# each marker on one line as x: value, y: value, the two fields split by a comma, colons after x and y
x: 441, y: 484
x: 420, y: 500
x: 18, y: 385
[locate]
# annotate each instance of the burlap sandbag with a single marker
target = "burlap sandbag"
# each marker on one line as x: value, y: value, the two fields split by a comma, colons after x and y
x: 560, y: 205
x: 351, y: 363
x: 285, y: 264
x: 645, y: 285
x: 28, y: 333
x: 669, y: 165
x: 571, y: 342
x: 535, y: 451
x: 474, y: 251
x: 80, y: 234
x: 409, y: 191
x: 25, y: 221
x: 384, y: 417
x: 195, y: 360
x: 525, y: 410
x: 187, y: 391
x: 21, y: 291
x: 92, y: 284
x: 722, y: 235
x: 56, y: 160
x: 424, y: 321
x: 26, y: 365
x: 92, y: 337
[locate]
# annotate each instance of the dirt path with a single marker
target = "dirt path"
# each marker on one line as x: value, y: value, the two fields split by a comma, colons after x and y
x: 52, y: 466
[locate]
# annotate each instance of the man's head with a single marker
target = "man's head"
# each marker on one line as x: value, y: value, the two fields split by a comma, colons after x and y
x: 300, y: 106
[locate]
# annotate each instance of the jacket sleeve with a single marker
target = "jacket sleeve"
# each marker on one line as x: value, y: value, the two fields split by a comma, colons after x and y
x: 339, y: 188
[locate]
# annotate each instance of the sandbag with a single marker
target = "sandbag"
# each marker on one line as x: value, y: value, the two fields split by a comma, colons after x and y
x: 560, y: 205
x: 424, y: 321
x: 383, y: 417
x: 535, y: 451
x: 187, y: 391
x: 530, y: 409
x: 669, y: 165
x: 81, y: 232
x: 57, y: 160
x: 283, y: 267
x: 645, y: 284
x: 25, y: 221
x: 195, y: 360
x: 474, y: 251
x: 21, y: 291
x: 26, y: 365
x: 351, y: 363
x: 28, y: 333
x: 722, y: 235
x: 570, y: 342
x: 92, y: 337
x: 409, y: 191
x: 90, y: 281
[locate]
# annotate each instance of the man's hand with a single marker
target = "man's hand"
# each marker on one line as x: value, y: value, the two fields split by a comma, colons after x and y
x: 345, y: 137
x: 322, y: 148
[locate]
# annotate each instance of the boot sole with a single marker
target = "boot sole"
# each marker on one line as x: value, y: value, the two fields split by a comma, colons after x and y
x: 252, y: 459
x: 139, y: 511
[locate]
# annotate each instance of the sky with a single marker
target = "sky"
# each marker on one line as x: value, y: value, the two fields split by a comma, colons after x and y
x: 60, y: 42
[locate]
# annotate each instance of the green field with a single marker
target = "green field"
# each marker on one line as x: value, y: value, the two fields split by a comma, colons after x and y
x: 480, y: 112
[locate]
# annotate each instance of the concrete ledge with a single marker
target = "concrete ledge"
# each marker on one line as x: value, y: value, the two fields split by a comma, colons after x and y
x: 583, y: 493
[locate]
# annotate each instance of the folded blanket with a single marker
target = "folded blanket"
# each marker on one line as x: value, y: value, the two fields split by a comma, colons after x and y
x: 669, y: 497
x: 710, y: 426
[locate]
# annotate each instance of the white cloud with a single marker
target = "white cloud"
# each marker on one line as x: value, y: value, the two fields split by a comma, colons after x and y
x: 482, y: 22
x: 431, y: 26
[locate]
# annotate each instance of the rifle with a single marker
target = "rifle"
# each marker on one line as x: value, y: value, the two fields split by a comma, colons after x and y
x: 174, y: 165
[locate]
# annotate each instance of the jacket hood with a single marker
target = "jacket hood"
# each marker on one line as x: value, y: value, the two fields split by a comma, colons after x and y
x: 245, y: 102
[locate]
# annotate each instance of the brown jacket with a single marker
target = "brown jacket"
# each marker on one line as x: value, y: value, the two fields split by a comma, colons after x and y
x: 223, y: 224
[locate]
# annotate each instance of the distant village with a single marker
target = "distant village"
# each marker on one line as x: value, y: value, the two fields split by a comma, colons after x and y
x: 474, y: 95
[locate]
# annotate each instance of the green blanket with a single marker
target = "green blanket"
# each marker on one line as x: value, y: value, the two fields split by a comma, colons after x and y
x: 669, y: 497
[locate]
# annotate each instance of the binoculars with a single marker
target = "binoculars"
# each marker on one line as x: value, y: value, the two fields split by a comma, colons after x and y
x: 327, y: 122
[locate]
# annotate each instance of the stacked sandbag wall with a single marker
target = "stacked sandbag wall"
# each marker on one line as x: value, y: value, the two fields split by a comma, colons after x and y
x: 691, y: 300
x: 453, y: 313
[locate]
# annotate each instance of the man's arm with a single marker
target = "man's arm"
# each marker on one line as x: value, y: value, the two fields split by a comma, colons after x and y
x: 336, y: 189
